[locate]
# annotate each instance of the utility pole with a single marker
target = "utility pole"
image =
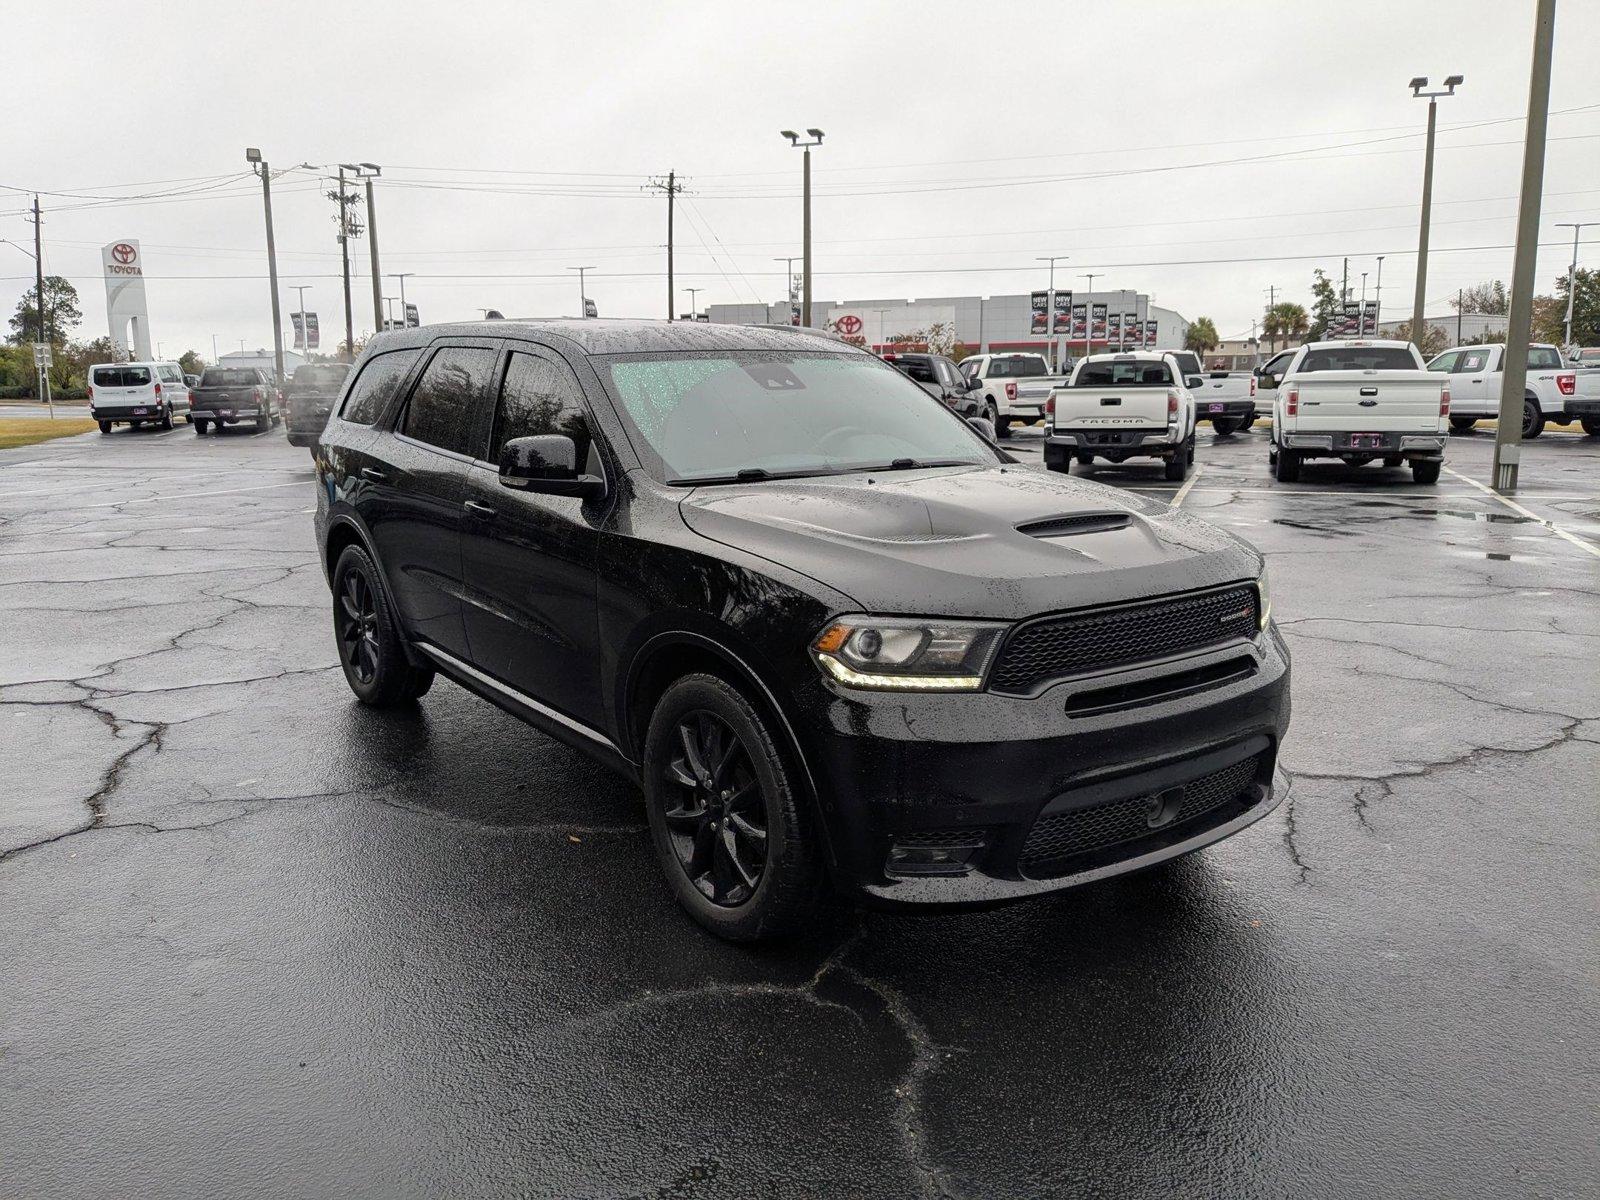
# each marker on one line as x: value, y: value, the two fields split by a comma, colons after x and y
x: 1572, y: 273
x: 671, y: 187
x: 694, y: 311
x: 805, y: 240
x: 1344, y: 282
x: 38, y: 271
x: 1377, y: 302
x: 583, y: 295
x: 1271, y: 322
x: 344, y: 255
x: 214, y: 354
x: 369, y: 171
x: 1460, y: 295
x: 1050, y: 307
x: 1088, y: 317
x: 253, y: 156
x: 1514, y: 379
x: 1417, y: 86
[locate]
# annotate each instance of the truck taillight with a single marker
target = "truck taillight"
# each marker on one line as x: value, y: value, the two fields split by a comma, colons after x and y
x: 1011, y: 390
x: 158, y: 391
x: 90, y: 390
x: 1050, y: 405
x: 1567, y: 385
x: 1291, y: 402
x: 1444, y: 400
x: 1172, y: 405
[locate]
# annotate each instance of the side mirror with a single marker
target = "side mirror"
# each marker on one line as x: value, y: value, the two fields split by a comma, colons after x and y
x: 1267, y: 381
x: 1194, y: 381
x: 985, y: 430
x: 974, y: 384
x: 547, y: 464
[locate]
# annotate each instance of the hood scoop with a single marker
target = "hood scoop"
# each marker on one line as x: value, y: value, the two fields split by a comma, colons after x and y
x: 1076, y: 523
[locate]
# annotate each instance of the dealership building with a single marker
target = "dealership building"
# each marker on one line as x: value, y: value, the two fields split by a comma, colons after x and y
x: 1108, y: 320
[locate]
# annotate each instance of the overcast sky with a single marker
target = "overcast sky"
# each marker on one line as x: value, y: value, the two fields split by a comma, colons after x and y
x: 962, y: 141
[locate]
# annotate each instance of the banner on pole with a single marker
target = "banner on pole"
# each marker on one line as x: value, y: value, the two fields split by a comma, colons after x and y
x: 1040, y: 323
x: 1062, y: 317
x: 1150, y: 333
x: 412, y: 320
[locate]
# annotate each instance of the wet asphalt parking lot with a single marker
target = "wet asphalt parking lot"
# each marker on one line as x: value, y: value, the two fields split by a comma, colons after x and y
x: 258, y: 941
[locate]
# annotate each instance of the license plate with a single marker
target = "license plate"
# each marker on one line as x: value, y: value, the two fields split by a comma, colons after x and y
x: 1366, y: 441
x: 227, y: 412
x: 138, y: 412
x: 1216, y: 408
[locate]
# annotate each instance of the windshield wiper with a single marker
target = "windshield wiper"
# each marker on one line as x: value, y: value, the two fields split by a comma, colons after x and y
x: 746, y: 475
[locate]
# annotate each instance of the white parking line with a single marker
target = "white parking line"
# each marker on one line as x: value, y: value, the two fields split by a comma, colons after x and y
x: 1532, y: 516
x: 1177, y: 501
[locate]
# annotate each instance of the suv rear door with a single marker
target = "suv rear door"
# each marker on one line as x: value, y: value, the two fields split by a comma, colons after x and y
x: 414, y: 481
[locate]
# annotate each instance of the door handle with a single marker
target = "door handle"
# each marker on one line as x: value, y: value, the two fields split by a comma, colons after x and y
x: 373, y: 474
x: 480, y: 510
x: 1477, y: 381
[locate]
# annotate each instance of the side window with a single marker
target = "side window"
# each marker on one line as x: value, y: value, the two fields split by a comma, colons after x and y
x: 370, y: 393
x: 1473, y: 360
x: 444, y: 403
x: 538, y: 397
x: 1543, y: 357
x: 1445, y: 364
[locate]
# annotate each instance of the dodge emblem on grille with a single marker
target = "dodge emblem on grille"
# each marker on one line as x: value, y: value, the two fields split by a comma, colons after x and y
x: 1229, y: 618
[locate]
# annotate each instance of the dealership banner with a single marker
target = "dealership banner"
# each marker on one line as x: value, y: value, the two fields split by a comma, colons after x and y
x: 1369, y: 318
x: 1063, y: 314
x: 1041, y: 313
x: 305, y: 330
x: 412, y: 320
x: 1114, y: 330
x: 1080, y: 321
x: 1097, y: 323
x: 1150, y: 332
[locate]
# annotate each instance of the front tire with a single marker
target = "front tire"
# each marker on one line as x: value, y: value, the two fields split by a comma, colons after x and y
x: 1532, y: 420
x: 730, y: 833
x: 368, y: 637
x: 1425, y: 472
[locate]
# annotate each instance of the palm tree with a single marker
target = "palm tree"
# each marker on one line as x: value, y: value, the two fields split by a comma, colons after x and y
x: 1285, y: 320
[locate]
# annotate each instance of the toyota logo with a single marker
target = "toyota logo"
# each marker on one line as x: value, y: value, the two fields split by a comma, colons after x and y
x: 849, y: 324
x: 124, y: 253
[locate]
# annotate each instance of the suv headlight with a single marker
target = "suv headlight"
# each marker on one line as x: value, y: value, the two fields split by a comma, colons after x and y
x: 907, y: 653
x: 1264, y: 596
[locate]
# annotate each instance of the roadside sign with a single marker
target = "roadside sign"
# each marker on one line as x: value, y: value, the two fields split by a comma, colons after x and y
x: 42, y: 355
x: 848, y: 324
x: 589, y: 309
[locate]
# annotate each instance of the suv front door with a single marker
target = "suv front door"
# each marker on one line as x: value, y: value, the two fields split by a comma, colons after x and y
x: 529, y: 559
x: 415, y: 485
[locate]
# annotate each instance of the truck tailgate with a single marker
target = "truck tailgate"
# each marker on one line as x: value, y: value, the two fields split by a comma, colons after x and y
x: 1111, y: 408
x: 1344, y: 401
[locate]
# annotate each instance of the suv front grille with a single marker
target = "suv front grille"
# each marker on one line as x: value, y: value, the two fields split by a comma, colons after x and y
x: 1059, y: 837
x: 1055, y: 648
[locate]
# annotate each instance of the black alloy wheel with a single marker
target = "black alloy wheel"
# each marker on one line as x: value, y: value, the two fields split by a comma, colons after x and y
x: 1532, y: 419
x: 716, y: 816
x: 357, y: 610
x: 370, y: 648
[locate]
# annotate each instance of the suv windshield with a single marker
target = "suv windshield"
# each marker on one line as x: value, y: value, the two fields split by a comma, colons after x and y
x: 1358, y: 358
x: 1123, y: 373
x: 1023, y: 366
x: 110, y: 377
x: 754, y: 414
x: 229, y: 377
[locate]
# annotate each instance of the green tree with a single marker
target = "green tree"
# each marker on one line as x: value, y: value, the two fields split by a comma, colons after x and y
x: 1486, y: 297
x: 1285, y: 319
x: 1324, y: 303
x: 61, y: 311
x: 191, y: 362
x: 1550, y: 312
x: 1202, y: 336
x: 1434, y: 340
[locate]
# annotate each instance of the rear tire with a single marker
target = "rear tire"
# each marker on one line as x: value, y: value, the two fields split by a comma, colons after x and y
x: 1425, y: 472
x: 105, y: 426
x: 1247, y: 422
x: 367, y: 636
x: 1002, y: 427
x: 1532, y: 420
x: 199, y: 426
x: 732, y: 836
x: 1392, y: 460
x: 1462, y: 424
x: 1287, y: 468
x: 166, y: 421
x: 1591, y: 425
x: 1177, y: 467
x: 1224, y: 426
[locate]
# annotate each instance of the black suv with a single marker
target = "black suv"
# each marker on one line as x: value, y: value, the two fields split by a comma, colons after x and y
x: 833, y: 632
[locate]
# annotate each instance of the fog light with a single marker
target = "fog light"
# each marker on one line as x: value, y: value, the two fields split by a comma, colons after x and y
x: 937, y: 852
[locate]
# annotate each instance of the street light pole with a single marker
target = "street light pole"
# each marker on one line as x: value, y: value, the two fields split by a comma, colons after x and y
x: 1088, y: 316
x: 1514, y: 378
x: 583, y: 295
x: 881, y: 342
x: 1417, y: 86
x: 1377, y: 300
x: 1050, y: 308
x: 694, y: 312
x: 405, y: 318
x: 1572, y: 273
x: 253, y: 156
x: 369, y: 171
x: 303, y: 342
x: 805, y: 243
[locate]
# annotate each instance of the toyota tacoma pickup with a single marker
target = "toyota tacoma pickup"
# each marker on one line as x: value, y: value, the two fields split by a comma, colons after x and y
x: 309, y: 398
x: 1122, y: 406
x: 1552, y: 392
x: 228, y: 395
x: 1015, y: 387
x: 1360, y: 401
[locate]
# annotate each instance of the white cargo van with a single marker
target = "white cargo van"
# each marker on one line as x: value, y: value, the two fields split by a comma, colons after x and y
x: 137, y: 393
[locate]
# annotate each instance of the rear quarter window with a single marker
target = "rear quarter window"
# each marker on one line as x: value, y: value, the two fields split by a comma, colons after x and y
x: 370, y: 394
x: 1544, y: 356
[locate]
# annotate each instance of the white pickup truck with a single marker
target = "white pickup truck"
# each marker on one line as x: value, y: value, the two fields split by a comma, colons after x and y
x: 1226, y: 398
x: 1015, y: 387
x: 1121, y: 406
x: 1553, y: 391
x: 1360, y: 401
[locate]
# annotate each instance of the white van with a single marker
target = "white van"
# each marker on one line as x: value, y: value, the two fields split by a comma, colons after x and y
x: 135, y: 393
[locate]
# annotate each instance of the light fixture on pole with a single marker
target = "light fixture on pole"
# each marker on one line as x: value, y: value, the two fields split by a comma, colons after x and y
x: 1050, y: 306
x: 583, y: 295
x: 1572, y: 273
x: 1418, y: 90
x: 805, y: 243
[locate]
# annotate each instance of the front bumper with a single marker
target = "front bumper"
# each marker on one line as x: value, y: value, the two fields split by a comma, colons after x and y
x: 1424, y: 446
x: 896, y: 770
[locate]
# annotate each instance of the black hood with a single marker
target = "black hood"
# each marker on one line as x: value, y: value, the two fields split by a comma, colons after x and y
x: 995, y: 542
